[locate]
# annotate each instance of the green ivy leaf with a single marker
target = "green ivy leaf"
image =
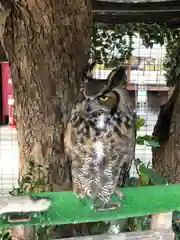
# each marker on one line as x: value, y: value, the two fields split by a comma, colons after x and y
x: 155, y: 178
x: 144, y: 179
x: 140, y: 140
x: 152, y: 143
x: 139, y: 122
x: 147, y: 140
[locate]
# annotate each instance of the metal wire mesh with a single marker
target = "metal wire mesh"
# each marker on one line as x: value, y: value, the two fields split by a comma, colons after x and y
x: 9, y: 159
x: 147, y: 65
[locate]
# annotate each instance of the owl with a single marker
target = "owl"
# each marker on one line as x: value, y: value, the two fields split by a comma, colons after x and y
x: 100, y: 138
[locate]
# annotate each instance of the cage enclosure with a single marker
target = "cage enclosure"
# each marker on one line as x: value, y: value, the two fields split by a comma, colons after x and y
x: 142, y: 36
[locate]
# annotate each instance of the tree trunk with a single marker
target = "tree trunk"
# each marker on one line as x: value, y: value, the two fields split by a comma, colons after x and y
x: 47, y: 45
x: 166, y: 159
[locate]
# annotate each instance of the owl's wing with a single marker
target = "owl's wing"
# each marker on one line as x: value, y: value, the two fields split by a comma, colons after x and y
x: 128, y: 158
x: 75, y: 153
x: 125, y: 171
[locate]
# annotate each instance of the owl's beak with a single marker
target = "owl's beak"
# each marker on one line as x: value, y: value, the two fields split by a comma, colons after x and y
x: 87, y: 107
x: 91, y: 106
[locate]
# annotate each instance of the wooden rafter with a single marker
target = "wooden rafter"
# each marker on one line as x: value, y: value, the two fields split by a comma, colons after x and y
x: 104, y: 6
x: 149, y: 12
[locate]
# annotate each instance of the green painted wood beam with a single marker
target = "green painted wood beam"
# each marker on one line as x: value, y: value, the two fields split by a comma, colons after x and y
x: 138, y: 201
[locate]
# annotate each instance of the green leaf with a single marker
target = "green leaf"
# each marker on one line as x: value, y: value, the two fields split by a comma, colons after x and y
x: 139, y: 122
x: 147, y: 140
x: 152, y: 143
x: 155, y: 178
x: 144, y: 179
x: 140, y: 140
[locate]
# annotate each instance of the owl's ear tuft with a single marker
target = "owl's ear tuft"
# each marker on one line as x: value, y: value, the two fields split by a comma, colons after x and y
x: 117, y: 77
x: 87, y: 72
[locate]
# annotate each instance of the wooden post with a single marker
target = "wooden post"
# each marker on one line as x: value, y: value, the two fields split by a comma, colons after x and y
x: 160, y: 222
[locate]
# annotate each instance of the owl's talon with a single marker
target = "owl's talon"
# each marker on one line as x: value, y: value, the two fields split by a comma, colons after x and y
x: 119, y: 194
x: 98, y: 206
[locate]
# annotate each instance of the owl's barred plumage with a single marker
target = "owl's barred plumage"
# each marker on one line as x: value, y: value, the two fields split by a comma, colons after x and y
x: 101, y: 141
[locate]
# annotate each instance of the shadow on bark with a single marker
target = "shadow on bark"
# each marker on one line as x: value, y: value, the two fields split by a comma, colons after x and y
x: 165, y: 159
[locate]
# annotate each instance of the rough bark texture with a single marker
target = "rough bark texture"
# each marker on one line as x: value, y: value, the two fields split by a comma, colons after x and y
x: 47, y: 43
x: 166, y: 159
x: 4, y: 12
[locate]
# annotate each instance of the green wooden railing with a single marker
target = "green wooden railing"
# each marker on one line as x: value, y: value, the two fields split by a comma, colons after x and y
x: 67, y: 208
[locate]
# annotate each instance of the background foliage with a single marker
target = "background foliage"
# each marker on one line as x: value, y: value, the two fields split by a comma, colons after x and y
x: 112, y: 45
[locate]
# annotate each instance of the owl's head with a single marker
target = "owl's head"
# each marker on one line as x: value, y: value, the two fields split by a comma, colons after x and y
x: 103, y: 95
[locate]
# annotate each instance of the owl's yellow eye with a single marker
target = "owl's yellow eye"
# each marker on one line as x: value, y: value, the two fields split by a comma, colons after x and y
x: 104, y: 98
x: 108, y: 99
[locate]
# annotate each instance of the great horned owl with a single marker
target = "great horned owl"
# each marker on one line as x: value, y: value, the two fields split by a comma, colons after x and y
x: 100, y: 138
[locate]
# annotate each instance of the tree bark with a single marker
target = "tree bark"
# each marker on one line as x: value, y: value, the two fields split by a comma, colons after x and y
x: 47, y: 45
x: 166, y: 159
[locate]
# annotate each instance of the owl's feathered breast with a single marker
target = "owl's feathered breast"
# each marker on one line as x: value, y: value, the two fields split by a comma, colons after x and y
x: 99, y: 146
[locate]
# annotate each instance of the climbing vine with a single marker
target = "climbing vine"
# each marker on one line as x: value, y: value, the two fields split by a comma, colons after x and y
x: 172, y: 62
x: 113, y: 45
